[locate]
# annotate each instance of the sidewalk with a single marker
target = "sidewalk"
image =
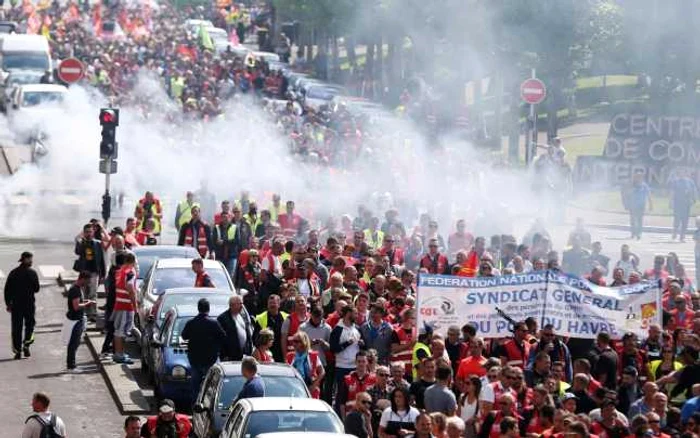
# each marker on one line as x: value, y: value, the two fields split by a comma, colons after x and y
x: 620, y: 221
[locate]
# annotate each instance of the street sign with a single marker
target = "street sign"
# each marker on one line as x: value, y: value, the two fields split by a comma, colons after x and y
x: 71, y: 70
x: 108, y: 167
x: 533, y: 91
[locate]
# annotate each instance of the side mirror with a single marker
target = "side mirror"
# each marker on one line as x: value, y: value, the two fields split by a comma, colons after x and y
x: 198, y: 408
x: 243, y: 292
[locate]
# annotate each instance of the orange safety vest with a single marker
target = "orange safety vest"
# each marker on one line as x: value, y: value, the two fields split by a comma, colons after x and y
x: 515, y: 355
x: 123, y: 300
x: 313, y: 356
x: 294, y: 324
x: 434, y: 266
x: 405, y: 357
x: 356, y: 385
x: 202, y: 243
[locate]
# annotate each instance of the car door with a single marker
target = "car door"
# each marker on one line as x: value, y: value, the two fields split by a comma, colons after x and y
x: 200, y: 422
x: 238, y: 422
x: 209, y: 399
x: 233, y: 420
x: 158, y: 348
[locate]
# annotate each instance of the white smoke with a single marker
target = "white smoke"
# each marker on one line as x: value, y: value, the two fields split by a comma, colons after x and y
x: 245, y: 151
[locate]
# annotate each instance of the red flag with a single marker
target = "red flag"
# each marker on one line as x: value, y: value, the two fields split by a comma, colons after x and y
x: 470, y: 266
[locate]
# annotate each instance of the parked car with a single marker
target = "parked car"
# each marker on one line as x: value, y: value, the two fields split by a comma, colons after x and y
x: 173, y: 273
x: 168, y: 354
x: 252, y: 417
x: 222, y: 385
x: 305, y: 435
x: 170, y: 299
x: 147, y: 255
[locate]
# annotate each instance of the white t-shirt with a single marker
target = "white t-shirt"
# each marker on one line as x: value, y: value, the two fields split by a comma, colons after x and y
x: 469, y: 410
x: 399, y: 417
x: 32, y: 428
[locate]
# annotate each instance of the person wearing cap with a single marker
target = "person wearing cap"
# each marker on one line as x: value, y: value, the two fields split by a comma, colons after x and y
x: 568, y: 402
x: 21, y: 285
x: 167, y: 423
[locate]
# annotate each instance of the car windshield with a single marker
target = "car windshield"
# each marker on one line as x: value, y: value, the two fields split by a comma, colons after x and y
x: 22, y: 78
x: 34, y: 98
x: 7, y: 28
x: 291, y: 421
x: 321, y: 93
x: 172, y: 300
x: 25, y: 60
x: 275, y: 386
x: 170, y: 278
x: 146, y: 258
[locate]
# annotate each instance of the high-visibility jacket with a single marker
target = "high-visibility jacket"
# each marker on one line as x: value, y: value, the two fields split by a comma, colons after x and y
x: 155, y: 209
x: 355, y: 384
x: 290, y: 224
x: 374, y: 239
x: 253, y: 223
x: 185, y: 210
x: 275, y: 212
x: 403, y: 358
x: 177, y: 85
x: 123, y: 299
x: 313, y: 363
x: 202, y: 245
x: 396, y: 257
x: 261, y: 319
x: 414, y: 357
x: 294, y: 323
x: 436, y: 265
x: 516, y: 355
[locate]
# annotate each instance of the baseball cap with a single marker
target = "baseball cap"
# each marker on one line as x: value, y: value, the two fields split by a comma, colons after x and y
x: 166, y: 406
x: 568, y: 396
x: 25, y: 255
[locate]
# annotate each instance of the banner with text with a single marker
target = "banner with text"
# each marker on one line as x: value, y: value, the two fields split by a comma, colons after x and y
x: 574, y: 306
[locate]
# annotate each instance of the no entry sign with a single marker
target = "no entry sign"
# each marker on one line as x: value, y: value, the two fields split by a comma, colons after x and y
x: 71, y: 70
x: 533, y: 91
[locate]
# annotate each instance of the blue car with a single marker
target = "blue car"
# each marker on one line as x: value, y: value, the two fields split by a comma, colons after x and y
x: 171, y: 367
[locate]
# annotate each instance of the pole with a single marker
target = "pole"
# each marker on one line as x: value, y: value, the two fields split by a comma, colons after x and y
x: 533, y: 117
x: 106, y: 198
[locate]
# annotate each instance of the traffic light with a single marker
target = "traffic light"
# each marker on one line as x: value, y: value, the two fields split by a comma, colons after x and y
x: 109, y: 120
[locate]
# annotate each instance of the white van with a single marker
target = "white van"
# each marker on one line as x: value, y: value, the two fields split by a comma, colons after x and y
x: 25, y: 52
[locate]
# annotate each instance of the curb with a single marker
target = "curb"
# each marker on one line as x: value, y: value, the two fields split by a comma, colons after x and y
x: 30, y: 240
x: 647, y: 229
x: 128, y: 398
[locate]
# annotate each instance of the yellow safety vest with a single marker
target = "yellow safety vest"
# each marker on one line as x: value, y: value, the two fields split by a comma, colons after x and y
x: 231, y: 232
x: 185, y: 209
x: 275, y: 212
x: 157, y: 227
x: 262, y: 319
x: 414, y: 359
x: 253, y: 224
x: 176, y: 86
x: 374, y: 244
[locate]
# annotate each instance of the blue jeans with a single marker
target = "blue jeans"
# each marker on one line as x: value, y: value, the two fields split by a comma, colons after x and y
x: 636, y: 221
x: 230, y: 265
x: 681, y: 214
x: 74, y: 342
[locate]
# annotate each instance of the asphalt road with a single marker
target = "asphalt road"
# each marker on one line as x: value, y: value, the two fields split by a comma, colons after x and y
x: 82, y: 400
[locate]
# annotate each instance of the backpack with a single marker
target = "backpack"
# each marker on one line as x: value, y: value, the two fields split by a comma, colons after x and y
x: 48, y: 430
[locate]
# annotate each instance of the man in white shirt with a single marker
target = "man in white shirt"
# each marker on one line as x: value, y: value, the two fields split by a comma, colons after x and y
x: 41, y: 418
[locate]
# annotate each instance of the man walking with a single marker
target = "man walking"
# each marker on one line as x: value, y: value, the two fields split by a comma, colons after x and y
x: 90, y: 259
x: 21, y: 285
x: 635, y: 199
x: 238, y: 327
x: 254, y: 385
x: 42, y: 419
x: 205, y: 339
x: 124, y: 307
x: 197, y: 234
x: 683, y: 196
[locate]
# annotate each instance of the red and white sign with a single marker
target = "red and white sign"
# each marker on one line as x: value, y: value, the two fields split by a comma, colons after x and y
x: 71, y: 70
x: 533, y: 91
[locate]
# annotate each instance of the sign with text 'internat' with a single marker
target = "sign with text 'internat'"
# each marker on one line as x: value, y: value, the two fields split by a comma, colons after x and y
x: 574, y: 306
x: 655, y: 145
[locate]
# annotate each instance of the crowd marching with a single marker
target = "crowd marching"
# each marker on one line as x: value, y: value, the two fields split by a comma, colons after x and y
x: 334, y: 296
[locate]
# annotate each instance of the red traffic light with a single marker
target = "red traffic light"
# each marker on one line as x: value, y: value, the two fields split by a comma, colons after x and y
x: 109, y: 117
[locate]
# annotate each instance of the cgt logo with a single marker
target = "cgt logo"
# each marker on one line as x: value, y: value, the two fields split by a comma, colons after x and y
x: 436, y: 306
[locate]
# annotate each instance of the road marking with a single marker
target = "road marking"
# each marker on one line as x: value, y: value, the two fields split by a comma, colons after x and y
x: 2, y: 274
x: 50, y: 271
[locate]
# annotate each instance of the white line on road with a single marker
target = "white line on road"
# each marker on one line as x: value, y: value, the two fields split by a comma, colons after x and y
x: 2, y: 274
x: 50, y: 271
